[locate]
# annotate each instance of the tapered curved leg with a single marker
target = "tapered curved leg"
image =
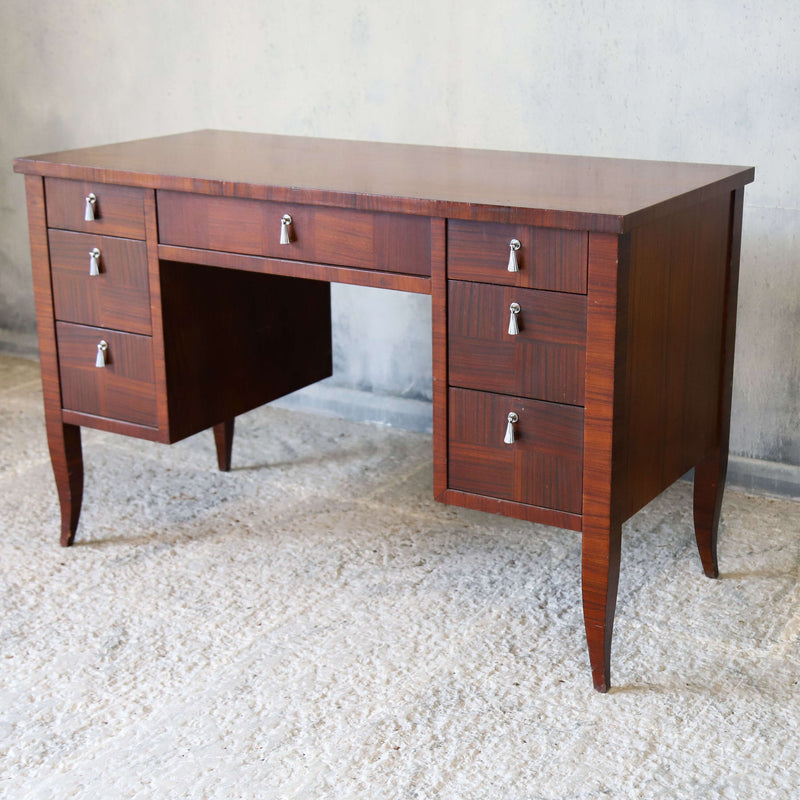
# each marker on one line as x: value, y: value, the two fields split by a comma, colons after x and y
x: 600, y: 560
x: 709, y: 485
x: 223, y: 439
x: 66, y: 458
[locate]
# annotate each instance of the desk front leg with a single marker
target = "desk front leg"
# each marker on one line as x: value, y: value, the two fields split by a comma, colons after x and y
x: 66, y: 457
x: 602, y: 482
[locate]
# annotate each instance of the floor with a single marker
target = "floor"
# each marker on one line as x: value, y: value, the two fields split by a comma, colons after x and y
x: 313, y: 625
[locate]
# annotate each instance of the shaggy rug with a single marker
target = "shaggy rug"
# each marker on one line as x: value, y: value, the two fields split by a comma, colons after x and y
x: 313, y: 625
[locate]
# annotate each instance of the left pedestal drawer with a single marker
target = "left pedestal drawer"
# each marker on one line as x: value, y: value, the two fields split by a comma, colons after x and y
x: 123, y: 389
x: 112, y: 292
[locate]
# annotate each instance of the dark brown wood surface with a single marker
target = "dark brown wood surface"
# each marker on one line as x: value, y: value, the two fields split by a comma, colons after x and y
x: 236, y: 340
x: 119, y: 297
x: 654, y: 246
x: 63, y: 439
x: 603, y: 467
x: 223, y: 442
x: 676, y: 302
x: 118, y: 212
x: 439, y: 354
x: 709, y: 474
x: 510, y: 508
x: 124, y: 389
x: 387, y: 242
x: 547, y: 258
x: 545, y: 360
x: 542, y: 467
x: 574, y: 192
x: 298, y: 269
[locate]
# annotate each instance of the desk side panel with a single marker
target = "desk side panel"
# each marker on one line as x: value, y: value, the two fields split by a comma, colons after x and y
x: 676, y: 305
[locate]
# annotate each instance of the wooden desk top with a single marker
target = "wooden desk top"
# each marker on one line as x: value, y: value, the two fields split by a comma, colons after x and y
x: 600, y: 194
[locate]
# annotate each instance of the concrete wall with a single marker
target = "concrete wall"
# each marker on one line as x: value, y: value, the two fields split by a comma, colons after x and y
x: 699, y: 80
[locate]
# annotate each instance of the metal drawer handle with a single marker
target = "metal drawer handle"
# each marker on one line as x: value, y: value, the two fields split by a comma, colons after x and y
x: 286, y: 229
x: 513, y: 326
x: 91, y: 203
x: 94, y: 261
x: 514, y: 245
x: 509, y: 437
x: 102, y: 350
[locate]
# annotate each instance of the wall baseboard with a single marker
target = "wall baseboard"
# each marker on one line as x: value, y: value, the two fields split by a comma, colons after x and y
x: 750, y: 474
x: 764, y: 477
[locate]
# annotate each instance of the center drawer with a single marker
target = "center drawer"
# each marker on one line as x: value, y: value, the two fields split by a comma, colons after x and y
x: 341, y: 237
x: 543, y: 466
x: 545, y: 359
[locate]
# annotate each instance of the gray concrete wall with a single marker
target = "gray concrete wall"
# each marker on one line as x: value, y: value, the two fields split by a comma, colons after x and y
x: 699, y: 80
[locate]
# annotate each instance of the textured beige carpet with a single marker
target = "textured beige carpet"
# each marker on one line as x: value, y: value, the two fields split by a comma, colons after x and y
x: 313, y: 625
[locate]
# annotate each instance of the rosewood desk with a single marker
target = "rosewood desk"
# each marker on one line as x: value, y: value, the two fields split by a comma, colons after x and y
x: 584, y: 312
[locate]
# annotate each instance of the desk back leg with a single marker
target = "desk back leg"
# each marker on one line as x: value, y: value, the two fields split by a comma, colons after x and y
x: 709, y: 474
x: 223, y: 439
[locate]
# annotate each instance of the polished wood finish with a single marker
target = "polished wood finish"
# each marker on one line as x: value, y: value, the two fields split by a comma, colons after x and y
x: 63, y: 438
x: 571, y: 192
x: 439, y: 355
x: 223, y: 441
x: 621, y: 372
x: 604, y: 436
x: 676, y: 303
x: 118, y: 211
x: 123, y: 389
x: 385, y: 242
x: 510, y: 508
x: 709, y: 474
x: 231, y: 341
x: 542, y: 467
x: 545, y: 360
x: 118, y: 297
x: 417, y: 284
x: 548, y: 258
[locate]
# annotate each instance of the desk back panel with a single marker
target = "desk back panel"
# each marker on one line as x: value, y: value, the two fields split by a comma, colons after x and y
x: 236, y: 340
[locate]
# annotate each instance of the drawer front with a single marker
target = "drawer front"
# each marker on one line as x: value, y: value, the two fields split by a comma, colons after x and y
x: 342, y: 237
x: 543, y: 466
x: 124, y: 389
x: 545, y: 360
x: 547, y: 258
x: 118, y: 297
x: 118, y: 210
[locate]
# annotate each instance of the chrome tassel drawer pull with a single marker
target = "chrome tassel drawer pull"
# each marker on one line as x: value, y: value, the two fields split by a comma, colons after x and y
x: 512, y: 420
x: 102, y: 351
x: 514, y: 245
x: 286, y: 229
x: 513, y: 326
x: 94, y: 261
x: 91, y: 205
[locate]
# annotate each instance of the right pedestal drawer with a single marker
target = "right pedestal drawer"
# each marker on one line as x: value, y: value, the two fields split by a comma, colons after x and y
x: 543, y: 465
x: 517, y: 341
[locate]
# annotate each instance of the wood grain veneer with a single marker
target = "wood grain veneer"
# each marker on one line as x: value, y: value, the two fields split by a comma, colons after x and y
x: 386, y: 242
x: 571, y: 192
x: 548, y: 258
x: 621, y: 373
x: 542, y: 467
x: 118, y: 211
x: 119, y: 297
x: 124, y: 389
x: 545, y: 360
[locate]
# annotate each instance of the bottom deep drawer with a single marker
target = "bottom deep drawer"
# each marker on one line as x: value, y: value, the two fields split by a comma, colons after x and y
x: 542, y: 467
x: 123, y: 389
